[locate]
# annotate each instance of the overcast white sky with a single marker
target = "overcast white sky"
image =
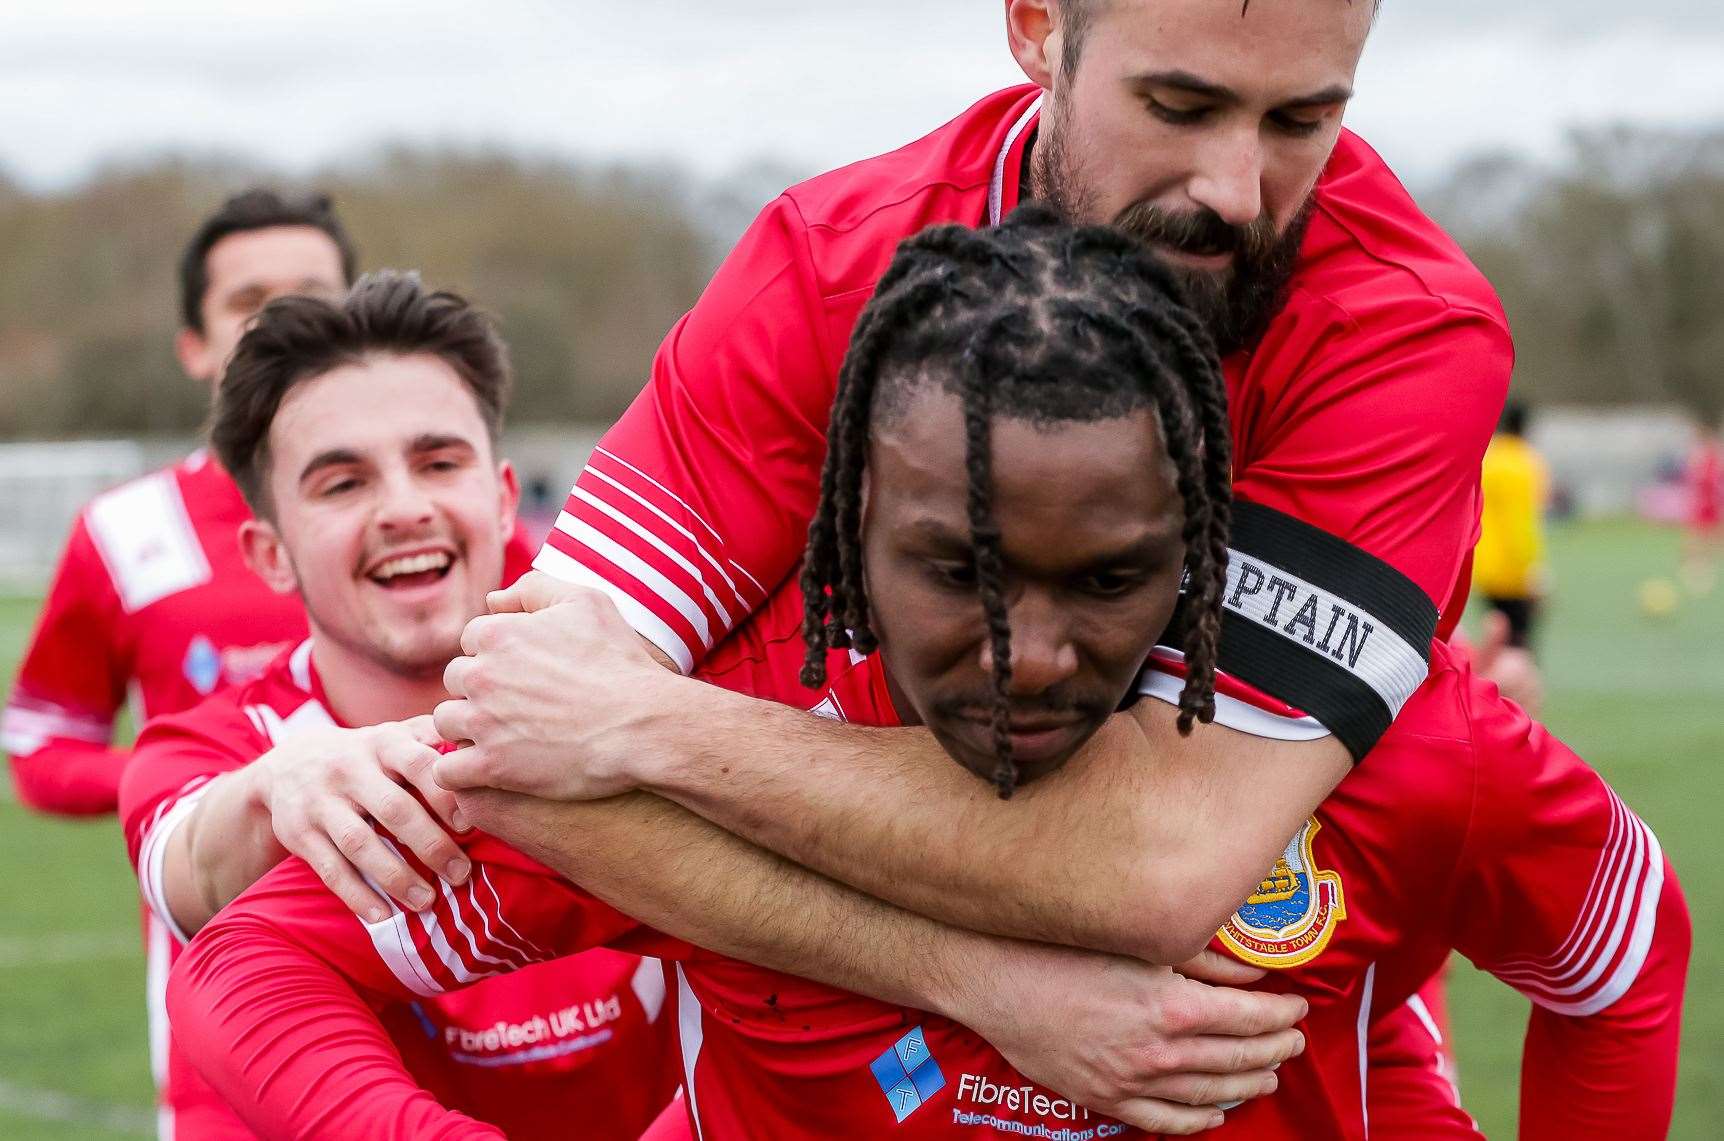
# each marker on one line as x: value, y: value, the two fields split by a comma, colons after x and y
x: 712, y: 84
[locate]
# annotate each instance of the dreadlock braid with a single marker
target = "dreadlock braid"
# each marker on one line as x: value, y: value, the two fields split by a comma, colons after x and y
x: 1205, y: 525
x: 985, y: 543
x: 1038, y: 320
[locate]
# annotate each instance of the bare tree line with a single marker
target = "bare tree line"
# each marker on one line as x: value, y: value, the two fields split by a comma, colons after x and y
x: 1611, y: 266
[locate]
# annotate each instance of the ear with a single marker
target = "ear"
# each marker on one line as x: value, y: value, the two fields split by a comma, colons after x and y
x: 509, y: 494
x: 1032, y: 33
x: 193, y: 352
x: 261, y: 546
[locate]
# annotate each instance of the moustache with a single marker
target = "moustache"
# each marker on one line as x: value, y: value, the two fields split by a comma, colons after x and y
x: 979, y: 707
x: 1200, y: 232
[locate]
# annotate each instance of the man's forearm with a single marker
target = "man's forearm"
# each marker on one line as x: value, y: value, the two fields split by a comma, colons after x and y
x: 678, y: 872
x: 1142, y: 844
x: 691, y: 879
x: 222, y: 848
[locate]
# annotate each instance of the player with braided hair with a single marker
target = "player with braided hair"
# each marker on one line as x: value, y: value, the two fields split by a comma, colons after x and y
x: 1105, y: 332
x: 1466, y: 835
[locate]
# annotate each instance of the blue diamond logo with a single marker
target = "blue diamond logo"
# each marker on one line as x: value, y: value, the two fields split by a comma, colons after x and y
x: 908, y: 1074
x: 202, y: 665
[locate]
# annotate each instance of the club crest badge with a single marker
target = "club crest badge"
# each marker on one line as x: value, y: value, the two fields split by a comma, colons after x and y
x: 1291, y: 916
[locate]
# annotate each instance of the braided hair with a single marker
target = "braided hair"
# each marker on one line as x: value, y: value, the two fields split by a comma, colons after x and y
x: 1036, y: 320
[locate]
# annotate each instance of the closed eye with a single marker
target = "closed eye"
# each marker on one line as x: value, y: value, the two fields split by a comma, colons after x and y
x: 1109, y: 584
x: 1176, y: 116
x: 1294, y: 126
x: 954, y: 575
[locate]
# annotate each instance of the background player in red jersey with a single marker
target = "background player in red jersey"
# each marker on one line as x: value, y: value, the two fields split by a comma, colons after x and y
x: 1056, y: 497
x: 1703, y: 521
x: 151, y: 594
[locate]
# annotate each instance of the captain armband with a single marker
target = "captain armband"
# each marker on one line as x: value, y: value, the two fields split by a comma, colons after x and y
x: 1315, y: 622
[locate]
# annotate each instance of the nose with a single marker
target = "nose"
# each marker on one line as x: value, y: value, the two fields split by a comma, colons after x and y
x: 1229, y: 176
x: 404, y: 505
x: 1043, y: 654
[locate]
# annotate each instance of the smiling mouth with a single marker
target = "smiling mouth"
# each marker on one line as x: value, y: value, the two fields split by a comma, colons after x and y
x: 407, y: 571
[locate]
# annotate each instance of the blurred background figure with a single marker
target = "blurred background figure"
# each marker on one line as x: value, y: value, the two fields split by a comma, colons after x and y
x: 1703, y: 478
x: 1508, y: 563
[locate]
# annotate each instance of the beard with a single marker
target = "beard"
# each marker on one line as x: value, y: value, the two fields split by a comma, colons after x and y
x: 1235, y: 304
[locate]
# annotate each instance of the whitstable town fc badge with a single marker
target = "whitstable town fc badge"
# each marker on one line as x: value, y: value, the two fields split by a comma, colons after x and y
x: 1289, y: 919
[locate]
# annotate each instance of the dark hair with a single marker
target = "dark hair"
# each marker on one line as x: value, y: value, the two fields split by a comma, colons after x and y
x: 1076, y: 16
x: 1514, y: 419
x: 256, y: 209
x: 1038, y: 320
x: 296, y: 339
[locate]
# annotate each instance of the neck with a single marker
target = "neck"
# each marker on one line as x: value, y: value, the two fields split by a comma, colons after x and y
x: 360, y: 691
x: 901, y: 704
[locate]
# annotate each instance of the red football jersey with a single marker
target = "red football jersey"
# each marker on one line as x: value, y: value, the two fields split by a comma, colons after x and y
x: 1704, y: 477
x: 585, y: 1038
x: 152, y: 599
x: 1478, y: 831
x: 1364, y: 412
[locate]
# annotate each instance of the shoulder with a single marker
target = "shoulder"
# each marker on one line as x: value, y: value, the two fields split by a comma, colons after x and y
x: 281, y: 702
x: 855, y: 216
x: 1371, y: 246
x: 254, y: 716
x: 1379, y: 281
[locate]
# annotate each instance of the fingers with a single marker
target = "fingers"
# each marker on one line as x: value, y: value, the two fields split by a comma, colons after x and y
x: 412, y: 825
x: 359, y: 845
x: 1155, y: 1116
x: 460, y: 770
x: 1217, y: 1055
x: 455, y: 677
x: 480, y: 633
x: 1207, y: 1091
x: 1222, y: 1010
x: 1221, y: 970
x: 340, y: 877
x: 413, y: 762
x: 453, y: 720
x: 422, y: 729
x: 534, y: 590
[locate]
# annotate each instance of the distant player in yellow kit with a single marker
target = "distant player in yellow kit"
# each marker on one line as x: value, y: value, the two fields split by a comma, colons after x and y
x: 1508, y: 564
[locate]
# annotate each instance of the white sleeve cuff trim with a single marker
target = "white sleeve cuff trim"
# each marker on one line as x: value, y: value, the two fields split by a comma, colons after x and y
x: 647, y: 624
x: 1234, y: 713
x: 152, y: 860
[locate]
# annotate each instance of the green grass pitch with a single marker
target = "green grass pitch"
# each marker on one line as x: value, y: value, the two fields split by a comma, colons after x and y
x: 1643, y: 700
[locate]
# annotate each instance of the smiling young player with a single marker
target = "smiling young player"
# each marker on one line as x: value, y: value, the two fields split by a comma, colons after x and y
x: 386, y: 470
x: 1005, y: 429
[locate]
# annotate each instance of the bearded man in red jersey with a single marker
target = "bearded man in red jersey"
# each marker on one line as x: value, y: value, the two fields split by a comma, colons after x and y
x: 1366, y: 363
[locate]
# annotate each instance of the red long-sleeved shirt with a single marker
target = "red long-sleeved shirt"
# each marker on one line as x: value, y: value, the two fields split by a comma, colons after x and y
x: 1474, y: 830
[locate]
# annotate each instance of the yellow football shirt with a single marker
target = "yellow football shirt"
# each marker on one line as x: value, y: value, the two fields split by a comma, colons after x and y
x: 1508, y: 562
